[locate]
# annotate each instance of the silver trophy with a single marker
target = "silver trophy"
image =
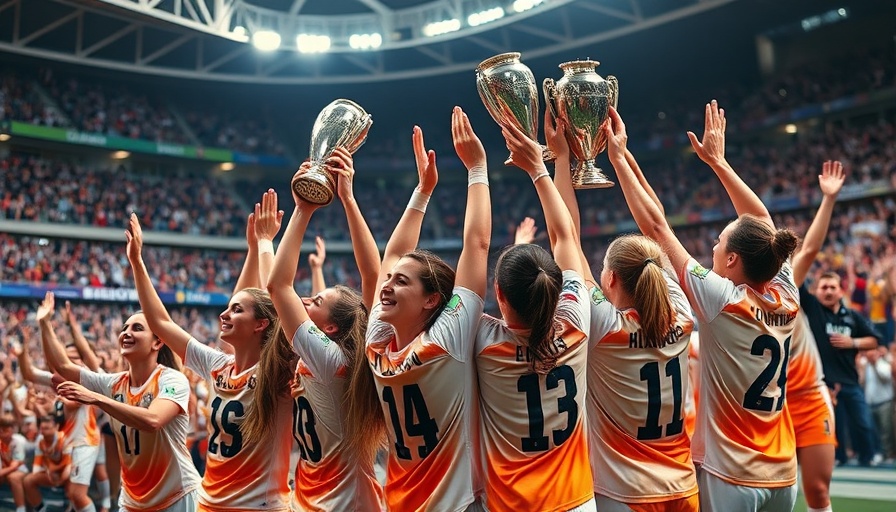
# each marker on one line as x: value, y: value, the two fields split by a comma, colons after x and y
x: 507, y: 88
x: 581, y: 101
x: 342, y: 123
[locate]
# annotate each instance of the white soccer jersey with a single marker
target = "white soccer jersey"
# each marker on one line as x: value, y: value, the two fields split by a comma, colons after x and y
x: 640, y: 450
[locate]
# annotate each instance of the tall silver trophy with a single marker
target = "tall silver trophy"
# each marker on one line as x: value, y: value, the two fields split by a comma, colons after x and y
x: 507, y: 88
x: 581, y: 100
x: 342, y: 123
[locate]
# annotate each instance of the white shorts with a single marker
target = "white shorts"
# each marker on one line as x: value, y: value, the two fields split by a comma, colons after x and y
x: 101, y: 456
x: 83, y: 461
x: 718, y: 495
x: 187, y: 503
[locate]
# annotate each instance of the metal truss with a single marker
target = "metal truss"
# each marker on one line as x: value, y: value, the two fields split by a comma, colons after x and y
x: 209, y: 39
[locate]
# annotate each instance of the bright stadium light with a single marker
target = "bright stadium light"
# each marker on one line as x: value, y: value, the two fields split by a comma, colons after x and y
x: 120, y: 155
x: 241, y: 33
x: 227, y: 166
x: 790, y: 128
x: 311, y: 43
x: 266, y: 40
x: 525, y: 5
x: 486, y: 16
x: 5, y: 137
x: 365, y: 41
x: 441, y: 27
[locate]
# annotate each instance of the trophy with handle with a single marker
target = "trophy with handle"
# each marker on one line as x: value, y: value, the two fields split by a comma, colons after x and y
x: 342, y: 123
x: 581, y: 100
x: 507, y: 88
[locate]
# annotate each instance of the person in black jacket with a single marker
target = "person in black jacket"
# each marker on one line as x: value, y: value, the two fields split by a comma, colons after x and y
x: 840, y: 333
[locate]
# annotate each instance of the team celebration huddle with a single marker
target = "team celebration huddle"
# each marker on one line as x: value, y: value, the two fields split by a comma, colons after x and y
x: 590, y: 391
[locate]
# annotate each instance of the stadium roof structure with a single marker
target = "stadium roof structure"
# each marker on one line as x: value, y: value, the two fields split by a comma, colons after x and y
x: 317, y: 41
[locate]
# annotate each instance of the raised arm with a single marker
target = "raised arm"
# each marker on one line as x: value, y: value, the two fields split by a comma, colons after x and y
x: 367, y: 255
x: 57, y: 359
x: 647, y: 214
x: 556, y: 139
x: 146, y: 419
x: 472, y: 266
x: 249, y: 275
x: 407, y: 232
x: 87, y: 354
x: 316, y: 262
x: 830, y: 181
x: 712, y: 151
x: 527, y: 155
x: 160, y: 322
x: 25, y: 365
x: 287, y: 302
x: 630, y: 158
x: 267, y: 224
x: 525, y: 232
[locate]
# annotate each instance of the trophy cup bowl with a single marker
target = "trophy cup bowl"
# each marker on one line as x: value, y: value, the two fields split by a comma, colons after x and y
x: 342, y: 123
x: 582, y: 99
x: 508, y: 91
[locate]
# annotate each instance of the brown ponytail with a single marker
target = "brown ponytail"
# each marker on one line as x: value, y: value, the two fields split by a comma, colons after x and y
x: 636, y: 260
x: 530, y: 281
x: 273, y: 373
x: 761, y: 249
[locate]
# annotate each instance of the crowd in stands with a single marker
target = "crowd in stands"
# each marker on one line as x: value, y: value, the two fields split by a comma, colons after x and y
x: 251, y: 136
x: 20, y: 102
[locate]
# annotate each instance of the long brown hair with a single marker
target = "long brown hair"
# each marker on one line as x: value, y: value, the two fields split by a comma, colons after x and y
x: 365, y: 427
x: 637, y: 261
x: 530, y: 281
x: 437, y: 277
x: 761, y: 248
x: 274, y: 369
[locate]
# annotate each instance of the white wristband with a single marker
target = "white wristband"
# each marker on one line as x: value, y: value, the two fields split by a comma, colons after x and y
x: 418, y: 201
x: 265, y: 246
x: 477, y: 174
x: 540, y: 175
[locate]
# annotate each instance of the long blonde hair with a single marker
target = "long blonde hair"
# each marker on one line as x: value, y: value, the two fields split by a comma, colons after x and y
x: 637, y: 260
x: 274, y: 369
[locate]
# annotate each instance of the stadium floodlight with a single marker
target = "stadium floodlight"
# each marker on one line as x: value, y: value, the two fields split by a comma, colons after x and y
x: 486, y: 16
x: 120, y: 155
x: 790, y: 128
x: 365, y: 41
x: 525, y: 5
x: 227, y: 166
x: 266, y: 40
x: 312, y: 43
x: 441, y: 27
x: 5, y: 137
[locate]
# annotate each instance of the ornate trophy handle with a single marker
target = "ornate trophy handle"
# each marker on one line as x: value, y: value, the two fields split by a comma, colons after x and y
x: 550, y: 94
x: 614, y: 90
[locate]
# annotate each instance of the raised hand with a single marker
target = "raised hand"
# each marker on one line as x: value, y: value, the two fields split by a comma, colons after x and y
x: 47, y: 307
x: 525, y: 232
x: 267, y: 217
x: 712, y: 149
x: 467, y: 145
x: 427, y: 171
x: 342, y: 166
x: 831, y: 178
x: 617, y: 138
x: 134, y: 236
x: 317, y: 258
x: 524, y: 152
x: 554, y: 134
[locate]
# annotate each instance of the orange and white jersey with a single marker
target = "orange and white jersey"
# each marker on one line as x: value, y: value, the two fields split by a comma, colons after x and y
x: 692, y: 399
x: 430, y: 402
x: 156, y: 469
x: 78, y: 421
x: 804, y: 370
x: 13, y: 452
x: 51, y: 454
x: 327, y: 477
x: 240, y: 474
x: 744, y: 433
x: 536, y: 455
x: 640, y: 450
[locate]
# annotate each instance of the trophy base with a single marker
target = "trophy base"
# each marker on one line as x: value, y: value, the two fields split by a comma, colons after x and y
x: 587, y: 175
x: 314, y: 187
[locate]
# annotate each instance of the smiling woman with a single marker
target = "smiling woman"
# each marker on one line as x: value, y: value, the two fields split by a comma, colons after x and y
x: 148, y: 409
